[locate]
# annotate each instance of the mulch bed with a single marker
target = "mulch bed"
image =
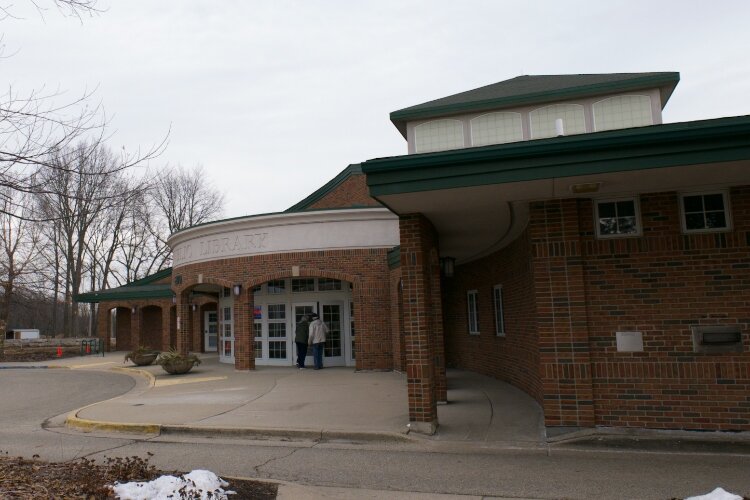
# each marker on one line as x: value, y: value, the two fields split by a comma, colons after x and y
x: 27, y: 354
x: 86, y: 480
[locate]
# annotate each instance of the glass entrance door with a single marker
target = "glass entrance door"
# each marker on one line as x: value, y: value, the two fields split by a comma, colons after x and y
x: 332, y: 314
x: 210, y: 331
x: 300, y: 309
x: 226, y: 335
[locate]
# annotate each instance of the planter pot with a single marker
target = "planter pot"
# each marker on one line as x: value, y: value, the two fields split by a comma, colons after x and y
x: 178, y: 367
x: 144, y: 359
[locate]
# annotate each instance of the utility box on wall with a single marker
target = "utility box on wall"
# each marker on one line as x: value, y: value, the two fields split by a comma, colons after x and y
x: 717, y: 339
x: 629, y: 341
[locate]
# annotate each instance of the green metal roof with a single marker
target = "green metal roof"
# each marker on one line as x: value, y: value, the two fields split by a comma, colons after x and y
x: 138, y: 289
x: 655, y: 146
x: 533, y: 89
x: 326, y: 188
x: 128, y: 292
x: 151, y: 278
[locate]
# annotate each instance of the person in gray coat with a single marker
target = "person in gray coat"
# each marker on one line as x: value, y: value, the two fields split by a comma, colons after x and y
x: 317, y: 339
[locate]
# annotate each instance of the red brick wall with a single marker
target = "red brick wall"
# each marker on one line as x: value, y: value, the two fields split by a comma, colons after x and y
x: 151, y: 327
x: 660, y: 284
x: 513, y: 358
x: 397, y: 322
x: 366, y: 269
x: 353, y: 192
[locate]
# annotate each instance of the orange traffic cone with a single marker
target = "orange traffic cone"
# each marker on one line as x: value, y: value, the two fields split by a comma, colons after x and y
x: 59, y: 351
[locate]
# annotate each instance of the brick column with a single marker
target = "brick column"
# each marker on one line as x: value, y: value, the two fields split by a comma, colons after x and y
x: 436, y: 318
x: 165, y: 327
x: 244, y: 337
x: 183, y: 323
x: 564, y: 352
x: 418, y: 251
x: 196, y: 316
x: 136, y: 318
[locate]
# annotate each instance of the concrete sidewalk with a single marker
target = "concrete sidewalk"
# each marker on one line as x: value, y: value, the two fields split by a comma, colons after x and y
x: 284, y: 402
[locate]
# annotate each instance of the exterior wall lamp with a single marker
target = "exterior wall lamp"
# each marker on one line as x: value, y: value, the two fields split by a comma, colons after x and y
x: 133, y: 309
x: 237, y: 289
x: 449, y: 264
x: 174, y: 299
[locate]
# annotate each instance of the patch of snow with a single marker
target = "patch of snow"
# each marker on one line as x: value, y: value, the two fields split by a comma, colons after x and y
x: 199, y: 483
x: 717, y: 494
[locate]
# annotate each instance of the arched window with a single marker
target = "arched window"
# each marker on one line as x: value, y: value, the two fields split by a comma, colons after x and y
x: 438, y: 135
x: 622, y: 111
x: 543, y: 120
x: 496, y: 128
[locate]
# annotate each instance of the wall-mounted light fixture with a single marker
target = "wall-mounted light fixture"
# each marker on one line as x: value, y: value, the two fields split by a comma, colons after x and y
x: 588, y: 187
x: 449, y: 264
x: 194, y: 307
x: 237, y: 289
x: 133, y: 309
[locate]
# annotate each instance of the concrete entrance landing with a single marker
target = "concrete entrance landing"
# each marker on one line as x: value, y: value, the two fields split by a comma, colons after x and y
x: 333, y: 403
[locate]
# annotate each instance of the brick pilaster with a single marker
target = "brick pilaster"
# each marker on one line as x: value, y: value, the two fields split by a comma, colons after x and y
x: 244, y: 353
x: 418, y: 251
x: 183, y: 323
x: 165, y: 328
x: 562, y: 325
x: 196, y: 317
x: 136, y: 320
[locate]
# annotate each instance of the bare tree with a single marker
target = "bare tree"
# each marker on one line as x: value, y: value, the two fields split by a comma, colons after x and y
x: 19, y: 242
x: 35, y: 126
x: 81, y: 195
x: 182, y: 198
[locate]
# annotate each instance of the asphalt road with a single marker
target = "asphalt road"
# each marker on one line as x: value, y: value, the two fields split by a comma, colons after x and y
x: 33, y: 398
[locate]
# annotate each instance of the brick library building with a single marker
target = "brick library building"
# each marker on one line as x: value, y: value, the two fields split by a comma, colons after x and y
x: 548, y: 231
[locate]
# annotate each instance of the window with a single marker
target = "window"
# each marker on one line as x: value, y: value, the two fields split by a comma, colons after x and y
x: 543, y: 120
x: 499, y: 319
x: 351, y: 326
x: 438, y: 135
x: 496, y: 128
x: 276, y: 287
x: 303, y: 285
x: 226, y: 292
x: 277, y: 331
x: 471, y: 299
x: 622, y: 111
x: 617, y: 218
x: 257, y: 289
x: 327, y: 284
x: 705, y: 212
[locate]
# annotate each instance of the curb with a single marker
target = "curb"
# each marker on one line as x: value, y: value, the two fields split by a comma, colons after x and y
x: 302, y: 434
x: 146, y: 374
x: 84, y: 425
x: 43, y: 367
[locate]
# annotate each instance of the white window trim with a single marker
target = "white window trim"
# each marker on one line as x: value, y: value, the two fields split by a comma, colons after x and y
x: 727, y: 213
x: 499, y: 327
x: 639, y: 223
x: 475, y: 293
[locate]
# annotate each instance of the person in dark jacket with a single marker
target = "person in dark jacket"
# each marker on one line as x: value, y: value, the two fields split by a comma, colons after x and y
x: 301, y: 334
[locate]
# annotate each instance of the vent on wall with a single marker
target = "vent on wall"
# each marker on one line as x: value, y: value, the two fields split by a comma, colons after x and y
x: 717, y: 339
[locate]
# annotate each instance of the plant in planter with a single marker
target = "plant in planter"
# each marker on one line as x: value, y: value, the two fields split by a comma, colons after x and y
x: 143, y: 356
x: 175, y: 363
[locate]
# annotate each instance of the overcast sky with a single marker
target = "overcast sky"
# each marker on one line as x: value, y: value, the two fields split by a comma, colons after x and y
x: 274, y: 98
